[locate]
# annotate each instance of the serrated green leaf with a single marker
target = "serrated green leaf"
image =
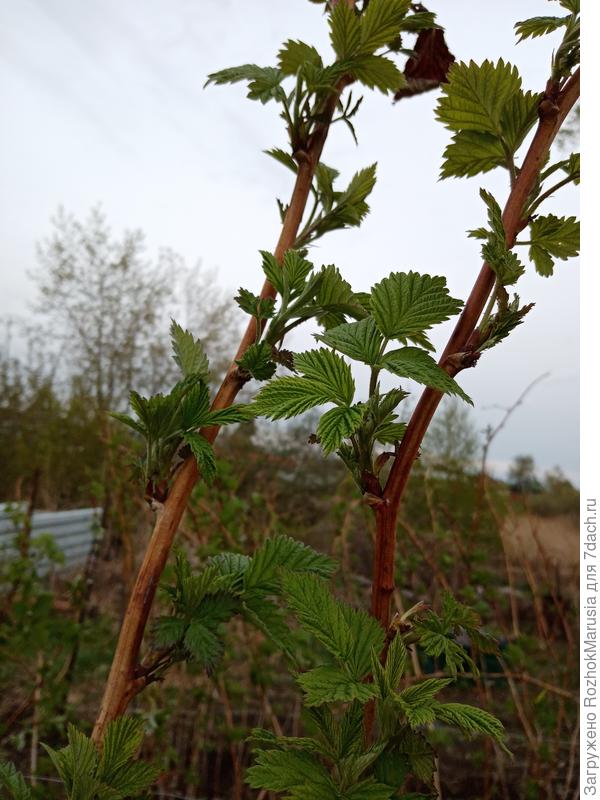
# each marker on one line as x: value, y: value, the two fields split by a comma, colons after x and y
x: 553, y: 237
x: 506, y: 264
x: 518, y: 117
x: 544, y: 263
x: 259, y: 307
x: 390, y: 432
x: 501, y: 324
x: 325, y: 177
x: 418, y: 712
x: 129, y: 421
x: 392, y: 768
x: 395, y: 663
x: 377, y: 72
x: 470, y: 720
x: 230, y: 564
x: 354, y: 767
x: 424, y: 691
x: 567, y: 55
x: 134, y: 779
x: 283, y: 157
x: 380, y: 24
x: 322, y: 79
x: 263, y: 82
x: 348, y: 634
x: 457, y: 614
x: 369, y: 790
x: 272, y: 269
x: 216, y: 608
x: 294, y: 55
x: 202, y: 595
x: 334, y: 296
x: 330, y: 371
x: 13, y: 782
x: 261, y: 736
x: 168, y: 631
x: 364, y: 298
x: 388, y: 402
x: 408, y: 753
x: 420, y: 21
x: 266, y: 86
x: 344, y: 29
x: 330, y: 684
x: 494, y: 214
x: 350, y: 206
x: 194, y: 407
x: 361, y: 186
x: 338, y: 424
x: 479, y: 233
x: 538, y: 26
x: 295, y: 270
x: 140, y: 405
x: 245, y: 72
x: 416, y: 364
x: 230, y: 415
x: 471, y: 153
x: 340, y: 736
x: 503, y: 261
x: 475, y: 96
x: 283, y: 551
x: 121, y: 743
x: 290, y: 770
x: 406, y: 303
x: 573, y: 167
x: 268, y: 618
x: 318, y: 612
x: 202, y: 644
x: 437, y: 640
x: 160, y: 413
x: 204, y: 455
x: 360, y: 340
x: 258, y: 361
x: 76, y: 764
x: 188, y: 352
x: 287, y: 397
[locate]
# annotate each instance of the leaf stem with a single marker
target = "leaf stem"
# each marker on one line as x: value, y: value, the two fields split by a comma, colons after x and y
x: 373, y: 382
x: 490, y: 307
x: 537, y: 203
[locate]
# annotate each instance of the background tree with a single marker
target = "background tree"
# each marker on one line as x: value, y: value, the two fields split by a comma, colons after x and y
x: 522, y: 475
x: 103, y: 302
x: 108, y: 306
x: 452, y: 440
x: 101, y: 321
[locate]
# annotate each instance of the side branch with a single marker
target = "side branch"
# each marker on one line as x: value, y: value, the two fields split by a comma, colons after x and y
x: 553, y: 110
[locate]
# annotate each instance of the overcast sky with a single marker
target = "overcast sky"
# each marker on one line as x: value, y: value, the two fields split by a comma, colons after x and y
x: 102, y: 101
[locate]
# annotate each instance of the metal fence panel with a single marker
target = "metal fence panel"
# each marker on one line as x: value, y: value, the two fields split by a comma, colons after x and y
x: 73, y: 532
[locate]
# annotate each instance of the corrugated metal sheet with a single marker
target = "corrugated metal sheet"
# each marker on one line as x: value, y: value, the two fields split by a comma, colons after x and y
x: 73, y: 532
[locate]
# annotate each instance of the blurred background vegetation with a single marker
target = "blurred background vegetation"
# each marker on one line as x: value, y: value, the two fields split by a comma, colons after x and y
x: 508, y: 548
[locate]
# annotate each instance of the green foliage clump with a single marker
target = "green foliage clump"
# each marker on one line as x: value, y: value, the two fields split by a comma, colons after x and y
x: 337, y: 761
x: 88, y: 772
x: 490, y: 116
x: 230, y: 585
x: 402, y: 307
x: 171, y: 422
